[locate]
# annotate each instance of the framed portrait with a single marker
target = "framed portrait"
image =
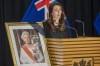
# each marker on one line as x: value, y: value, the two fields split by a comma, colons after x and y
x: 27, y: 44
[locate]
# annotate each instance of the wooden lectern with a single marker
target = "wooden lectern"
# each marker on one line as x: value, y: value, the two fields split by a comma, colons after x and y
x: 74, y: 51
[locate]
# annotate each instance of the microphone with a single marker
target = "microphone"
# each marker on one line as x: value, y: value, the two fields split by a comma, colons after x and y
x: 83, y: 26
x: 74, y: 30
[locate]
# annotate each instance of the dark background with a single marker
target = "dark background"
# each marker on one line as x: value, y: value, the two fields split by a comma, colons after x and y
x: 13, y: 11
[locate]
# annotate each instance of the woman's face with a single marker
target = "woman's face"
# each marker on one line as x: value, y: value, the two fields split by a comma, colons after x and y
x: 27, y: 39
x: 56, y: 12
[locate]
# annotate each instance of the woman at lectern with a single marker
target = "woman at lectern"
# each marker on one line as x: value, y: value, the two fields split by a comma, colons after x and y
x: 55, y: 26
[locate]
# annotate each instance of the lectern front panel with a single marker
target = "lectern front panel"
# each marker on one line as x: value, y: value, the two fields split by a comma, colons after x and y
x: 74, y: 52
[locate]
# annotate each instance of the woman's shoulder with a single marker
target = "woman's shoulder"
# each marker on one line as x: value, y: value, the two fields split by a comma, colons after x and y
x: 45, y: 22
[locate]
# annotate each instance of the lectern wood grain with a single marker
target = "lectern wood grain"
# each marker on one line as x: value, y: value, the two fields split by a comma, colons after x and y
x: 74, y: 51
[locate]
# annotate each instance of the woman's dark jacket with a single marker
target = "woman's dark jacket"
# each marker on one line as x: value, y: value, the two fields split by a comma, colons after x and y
x: 57, y: 33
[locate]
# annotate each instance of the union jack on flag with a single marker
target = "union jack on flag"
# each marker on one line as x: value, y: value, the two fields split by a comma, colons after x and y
x: 37, y: 11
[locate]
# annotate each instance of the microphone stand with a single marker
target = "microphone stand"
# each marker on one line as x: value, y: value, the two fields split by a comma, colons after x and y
x: 74, y: 30
x: 83, y: 26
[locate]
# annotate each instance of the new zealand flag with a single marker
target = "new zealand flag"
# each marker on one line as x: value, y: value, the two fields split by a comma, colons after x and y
x: 97, y: 23
x: 37, y: 11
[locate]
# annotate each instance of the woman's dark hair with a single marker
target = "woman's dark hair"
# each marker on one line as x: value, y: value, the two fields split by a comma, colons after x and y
x: 61, y: 25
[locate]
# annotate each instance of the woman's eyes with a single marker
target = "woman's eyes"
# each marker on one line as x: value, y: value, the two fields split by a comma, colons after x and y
x: 57, y: 10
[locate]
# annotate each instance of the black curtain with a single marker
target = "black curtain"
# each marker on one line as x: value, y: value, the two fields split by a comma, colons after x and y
x: 84, y: 10
x: 13, y: 11
x: 1, y: 28
x: 10, y: 11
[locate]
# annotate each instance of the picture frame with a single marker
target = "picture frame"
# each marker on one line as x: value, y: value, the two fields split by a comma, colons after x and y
x: 27, y: 44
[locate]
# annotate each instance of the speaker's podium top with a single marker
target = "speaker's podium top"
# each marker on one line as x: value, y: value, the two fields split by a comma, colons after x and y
x: 74, y: 51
